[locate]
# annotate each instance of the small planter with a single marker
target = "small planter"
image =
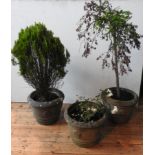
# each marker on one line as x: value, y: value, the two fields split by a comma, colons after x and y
x: 84, y: 134
x: 47, y: 113
x: 122, y: 108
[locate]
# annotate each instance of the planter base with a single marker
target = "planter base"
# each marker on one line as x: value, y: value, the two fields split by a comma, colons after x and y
x: 120, y: 119
x: 47, y: 113
x: 86, y: 137
x: 46, y: 116
x: 85, y: 134
x: 124, y: 108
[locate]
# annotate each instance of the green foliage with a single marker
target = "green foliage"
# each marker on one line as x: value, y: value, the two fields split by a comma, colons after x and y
x: 87, y: 111
x: 41, y: 57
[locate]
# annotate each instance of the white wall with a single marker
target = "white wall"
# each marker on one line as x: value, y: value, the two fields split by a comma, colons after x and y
x: 85, y: 76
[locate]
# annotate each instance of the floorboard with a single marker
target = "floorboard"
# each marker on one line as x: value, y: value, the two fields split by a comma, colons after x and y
x: 30, y: 138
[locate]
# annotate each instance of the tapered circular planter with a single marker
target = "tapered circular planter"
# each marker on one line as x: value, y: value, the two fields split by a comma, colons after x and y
x: 47, y: 113
x: 84, y: 134
x: 121, y: 109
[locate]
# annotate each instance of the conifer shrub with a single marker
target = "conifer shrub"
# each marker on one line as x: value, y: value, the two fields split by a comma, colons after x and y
x: 42, y: 59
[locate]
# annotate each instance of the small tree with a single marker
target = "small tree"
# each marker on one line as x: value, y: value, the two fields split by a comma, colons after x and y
x: 112, y: 24
x: 41, y: 58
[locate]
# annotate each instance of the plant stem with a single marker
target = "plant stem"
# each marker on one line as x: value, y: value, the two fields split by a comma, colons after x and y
x: 116, y: 68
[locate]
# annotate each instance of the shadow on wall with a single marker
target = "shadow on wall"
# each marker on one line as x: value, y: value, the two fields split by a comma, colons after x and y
x: 86, y: 79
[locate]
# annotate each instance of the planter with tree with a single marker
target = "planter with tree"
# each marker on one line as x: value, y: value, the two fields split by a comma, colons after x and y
x: 42, y: 59
x: 85, y: 119
x: 103, y: 22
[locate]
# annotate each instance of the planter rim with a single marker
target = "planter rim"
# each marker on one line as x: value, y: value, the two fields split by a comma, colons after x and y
x: 39, y: 104
x: 78, y: 124
x: 122, y: 103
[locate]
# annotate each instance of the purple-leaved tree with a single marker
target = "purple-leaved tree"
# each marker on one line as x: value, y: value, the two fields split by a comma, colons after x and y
x: 102, y: 21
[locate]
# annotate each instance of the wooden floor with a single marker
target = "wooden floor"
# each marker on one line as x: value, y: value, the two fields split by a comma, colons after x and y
x: 30, y: 138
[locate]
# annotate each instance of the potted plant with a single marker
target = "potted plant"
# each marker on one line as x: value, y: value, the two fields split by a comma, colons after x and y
x: 85, y: 119
x: 42, y: 59
x: 103, y: 22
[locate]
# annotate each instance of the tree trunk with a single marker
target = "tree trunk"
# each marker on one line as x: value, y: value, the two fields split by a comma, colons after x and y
x: 116, y: 69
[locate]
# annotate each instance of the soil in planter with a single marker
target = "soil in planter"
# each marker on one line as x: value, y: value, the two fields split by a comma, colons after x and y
x: 124, y: 95
x: 40, y: 98
x: 87, y: 111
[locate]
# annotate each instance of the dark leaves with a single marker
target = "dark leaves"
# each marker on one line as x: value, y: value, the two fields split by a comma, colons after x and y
x: 110, y: 24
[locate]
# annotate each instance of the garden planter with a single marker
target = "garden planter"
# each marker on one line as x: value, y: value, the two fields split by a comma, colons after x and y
x: 122, y: 108
x: 47, y: 113
x: 84, y: 134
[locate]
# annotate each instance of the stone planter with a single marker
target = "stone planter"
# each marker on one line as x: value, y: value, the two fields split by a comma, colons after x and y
x: 121, y: 110
x: 47, y: 113
x: 84, y: 134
